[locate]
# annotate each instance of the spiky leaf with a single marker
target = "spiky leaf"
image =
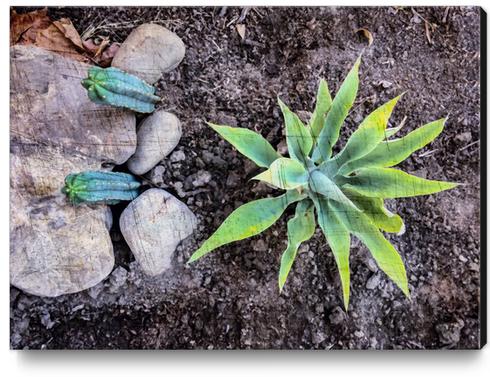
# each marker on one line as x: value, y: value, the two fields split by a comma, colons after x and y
x: 341, y: 104
x: 392, y: 152
x: 322, y: 106
x: 300, y: 229
x: 367, y: 136
x: 338, y: 238
x: 376, y: 211
x: 246, y: 221
x: 249, y: 143
x: 392, y: 183
x: 285, y: 173
x: 298, y: 137
x: 381, y: 249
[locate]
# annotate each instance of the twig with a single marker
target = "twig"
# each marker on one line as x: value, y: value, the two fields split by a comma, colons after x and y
x: 469, y: 145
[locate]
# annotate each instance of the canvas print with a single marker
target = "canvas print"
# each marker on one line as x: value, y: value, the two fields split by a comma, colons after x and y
x: 246, y: 178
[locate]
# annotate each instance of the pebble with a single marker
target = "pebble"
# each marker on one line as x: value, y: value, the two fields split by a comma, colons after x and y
x: 201, y: 178
x: 117, y: 279
x: 371, y: 265
x: 149, y: 51
x: 260, y: 245
x: 157, y: 136
x: 464, y: 137
x: 358, y: 334
x: 153, y: 225
x: 373, y: 282
x: 177, y: 156
x: 157, y: 173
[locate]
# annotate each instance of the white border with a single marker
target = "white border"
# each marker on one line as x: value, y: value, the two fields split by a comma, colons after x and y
x: 230, y: 363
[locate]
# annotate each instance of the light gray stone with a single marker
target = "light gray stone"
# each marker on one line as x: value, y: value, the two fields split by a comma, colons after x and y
x: 57, y: 248
x: 153, y: 225
x: 149, y: 51
x: 373, y: 282
x: 157, y: 136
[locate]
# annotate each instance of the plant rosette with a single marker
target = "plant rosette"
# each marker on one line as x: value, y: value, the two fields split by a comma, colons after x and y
x: 345, y: 191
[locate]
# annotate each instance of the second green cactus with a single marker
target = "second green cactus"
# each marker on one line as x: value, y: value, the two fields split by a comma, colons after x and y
x: 100, y: 187
x: 111, y: 86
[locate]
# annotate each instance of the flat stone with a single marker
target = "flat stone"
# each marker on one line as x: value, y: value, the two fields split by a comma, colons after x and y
x: 153, y: 225
x: 58, y: 248
x: 55, y: 247
x: 50, y: 107
x: 157, y: 136
x: 149, y: 51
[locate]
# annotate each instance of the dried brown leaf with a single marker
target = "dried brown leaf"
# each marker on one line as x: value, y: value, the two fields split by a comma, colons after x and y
x: 53, y: 39
x: 68, y: 30
x: 24, y: 26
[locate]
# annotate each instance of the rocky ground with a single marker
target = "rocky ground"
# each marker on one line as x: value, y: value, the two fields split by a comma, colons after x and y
x: 230, y: 299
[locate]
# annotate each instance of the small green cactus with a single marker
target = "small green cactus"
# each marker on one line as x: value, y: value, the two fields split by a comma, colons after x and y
x: 100, y: 187
x: 111, y: 86
x: 346, y: 190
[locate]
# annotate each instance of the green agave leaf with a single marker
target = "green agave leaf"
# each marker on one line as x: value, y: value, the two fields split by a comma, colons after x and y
x: 376, y: 211
x: 392, y: 183
x: 392, y: 152
x: 300, y: 229
x: 370, y: 132
x: 298, y: 137
x: 381, y: 249
x: 322, y: 106
x: 249, y: 143
x: 341, y: 104
x: 321, y: 184
x: 338, y: 238
x: 246, y: 221
x: 284, y: 173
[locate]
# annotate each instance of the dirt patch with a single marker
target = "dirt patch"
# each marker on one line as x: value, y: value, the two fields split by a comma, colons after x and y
x: 230, y: 299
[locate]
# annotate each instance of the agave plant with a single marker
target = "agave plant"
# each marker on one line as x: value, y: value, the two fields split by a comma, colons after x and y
x: 347, y: 190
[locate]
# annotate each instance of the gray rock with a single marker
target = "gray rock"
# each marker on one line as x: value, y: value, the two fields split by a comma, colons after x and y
x: 371, y: 264
x: 153, y: 225
x: 464, y: 137
x: 260, y: 245
x: 117, y: 279
x: 177, y: 156
x: 201, y: 178
x: 57, y: 248
x: 157, y: 175
x: 373, y: 282
x: 157, y: 136
x: 149, y: 51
